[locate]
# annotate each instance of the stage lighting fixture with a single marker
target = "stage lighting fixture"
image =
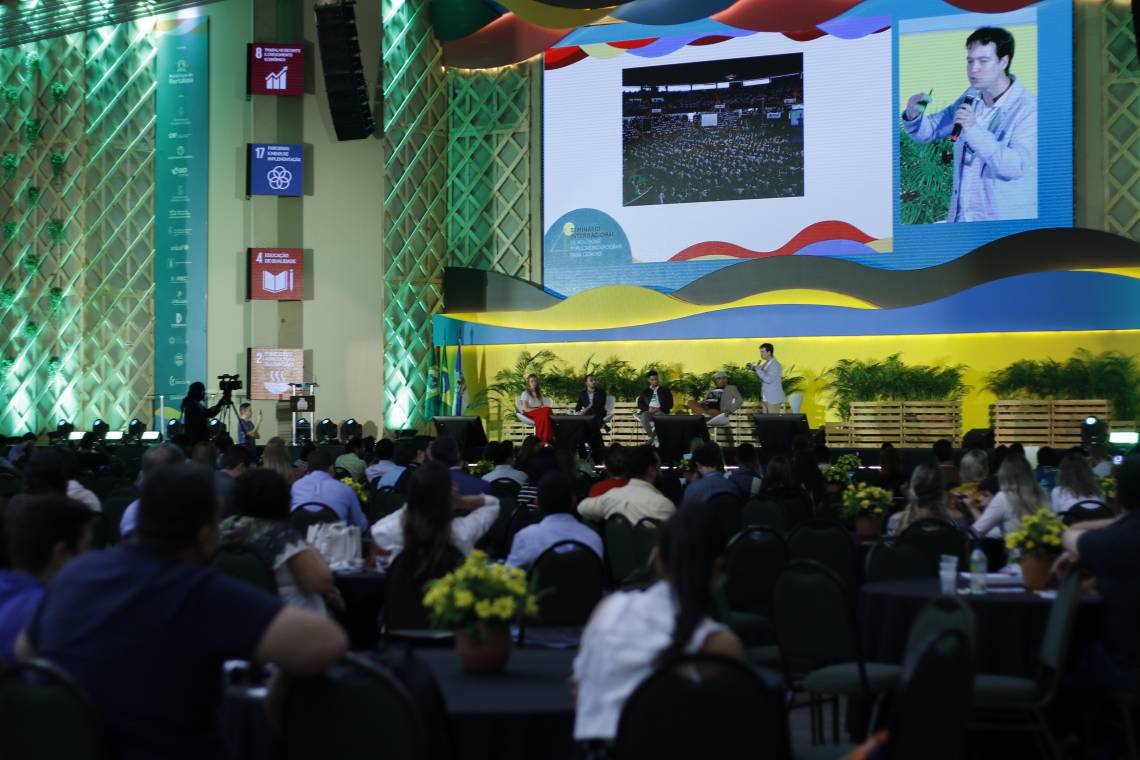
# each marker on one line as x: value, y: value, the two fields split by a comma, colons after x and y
x: 216, y: 427
x: 173, y: 429
x: 150, y: 435
x: 136, y: 428
x: 303, y: 431
x: 349, y: 429
x: 1124, y: 438
x: 76, y: 435
x: 64, y: 428
x: 326, y: 431
x: 113, y: 435
x: 1094, y: 432
x: 100, y: 428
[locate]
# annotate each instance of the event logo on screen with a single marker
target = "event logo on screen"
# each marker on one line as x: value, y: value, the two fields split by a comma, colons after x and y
x: 713, y: 131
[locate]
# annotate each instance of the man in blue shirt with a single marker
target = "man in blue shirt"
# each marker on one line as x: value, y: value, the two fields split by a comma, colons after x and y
x: 711, y: 480
x: 145, y: 627
x: 446, y: 450
x: 162, y: 455
x: 248, y: 430
x: 409, y: 452
x: 556, y: 502
x: 44, y: 533
x: 320, y: 487
x: 747, y: 477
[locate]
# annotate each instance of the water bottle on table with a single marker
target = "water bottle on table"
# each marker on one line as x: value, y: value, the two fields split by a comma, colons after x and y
x: 977, y: 571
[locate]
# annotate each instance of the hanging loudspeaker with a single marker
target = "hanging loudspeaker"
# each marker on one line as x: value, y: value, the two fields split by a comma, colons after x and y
x: 344, y: 75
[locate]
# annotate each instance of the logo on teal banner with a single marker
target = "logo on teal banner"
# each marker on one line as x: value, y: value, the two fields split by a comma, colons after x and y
x: 586, y: 236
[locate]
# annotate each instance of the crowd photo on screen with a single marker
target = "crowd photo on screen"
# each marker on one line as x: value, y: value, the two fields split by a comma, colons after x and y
x: 713, y: 131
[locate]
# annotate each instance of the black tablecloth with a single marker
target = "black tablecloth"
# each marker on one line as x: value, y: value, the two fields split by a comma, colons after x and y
x: 363, y: 594
x: 1010, y: 624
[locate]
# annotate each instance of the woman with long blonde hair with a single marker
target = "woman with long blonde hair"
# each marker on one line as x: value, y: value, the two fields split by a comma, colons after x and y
x: 276, y: 458
x: 926, y: 498
x: 1020, y: 497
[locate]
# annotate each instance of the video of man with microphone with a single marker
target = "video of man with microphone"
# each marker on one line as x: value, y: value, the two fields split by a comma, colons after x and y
x: 967, y: 123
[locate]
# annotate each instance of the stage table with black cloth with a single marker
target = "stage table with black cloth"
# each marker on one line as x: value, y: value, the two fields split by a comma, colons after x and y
x: 525, y: 712
x: 1010, y: 624
x: 363, y: 593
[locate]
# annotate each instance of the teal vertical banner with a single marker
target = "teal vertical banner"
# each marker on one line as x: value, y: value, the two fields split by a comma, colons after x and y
x: 182, y: 143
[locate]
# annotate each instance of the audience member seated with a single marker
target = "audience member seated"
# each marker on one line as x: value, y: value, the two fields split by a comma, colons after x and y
x: 20, y: 453
x: 973, y: 469
x: 53, y: 471
x: 556, y: 502
x: 631, y: 633
x: 944, y: 453
x: 1075, y: 482
x: 926, y: 499
x: 806, y: 472
x: 205, y: 455
x: 320, y: 486
x: 1046, y: 471
x: 302, y: 460
x: 639, y: 498
x: 383, y: 460
x: 709, y: 463
x: 260, y: 499
x: 614, y: 471
x: 234, y: 463
x: 1110, y: 550
x: 1020, y: 496
x: 502, y: 455
x: 410, y: 452
x: 425, y: 524
x: 43, y: 534
x: 275, y: 457
x: 145, y: 627
x: 747, y: 478
x: 446, y: 451
x: 1101, y: 461
x: 350, y: 460
x: 162, y: 455
x: 891, y: 476
x: 778, y: 481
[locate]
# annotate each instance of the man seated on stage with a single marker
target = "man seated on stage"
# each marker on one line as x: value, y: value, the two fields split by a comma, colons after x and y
x: 592, y: 402
x: 655, y: 399
x: 719, y: 403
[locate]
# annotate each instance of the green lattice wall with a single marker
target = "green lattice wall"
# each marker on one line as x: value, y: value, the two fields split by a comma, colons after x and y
x: 1120, y: 75
x: 459, y: 189
x: 76, y: 137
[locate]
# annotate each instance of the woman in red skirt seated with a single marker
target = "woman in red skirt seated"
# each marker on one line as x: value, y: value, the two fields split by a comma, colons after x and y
x: 533, y: 404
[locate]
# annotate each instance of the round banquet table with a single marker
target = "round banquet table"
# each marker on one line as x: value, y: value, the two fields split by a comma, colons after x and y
x: 525, y: 712
x: 1009, y: 624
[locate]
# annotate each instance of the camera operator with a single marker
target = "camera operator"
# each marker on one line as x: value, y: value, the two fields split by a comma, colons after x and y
x: 196, y: 415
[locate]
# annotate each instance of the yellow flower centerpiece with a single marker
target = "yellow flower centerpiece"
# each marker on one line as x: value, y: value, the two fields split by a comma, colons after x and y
x: 840, y: 472
x: 1037, y: 543
x: 1107, y: 485
x: 357, y: 489
x: 478, y: 600
x: 866, y: 506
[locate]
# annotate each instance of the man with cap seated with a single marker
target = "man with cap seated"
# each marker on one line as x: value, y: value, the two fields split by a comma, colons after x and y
x: 719, y: 403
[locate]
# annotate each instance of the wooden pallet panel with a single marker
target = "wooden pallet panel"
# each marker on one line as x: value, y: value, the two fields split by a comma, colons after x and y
x: 1043, y: 422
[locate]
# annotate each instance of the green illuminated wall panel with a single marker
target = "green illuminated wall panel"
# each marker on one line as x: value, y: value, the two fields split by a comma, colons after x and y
x: 76, y: 138
x: 459, y: 189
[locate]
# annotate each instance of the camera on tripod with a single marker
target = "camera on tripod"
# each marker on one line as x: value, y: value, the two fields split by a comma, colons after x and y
x: 227, y: 384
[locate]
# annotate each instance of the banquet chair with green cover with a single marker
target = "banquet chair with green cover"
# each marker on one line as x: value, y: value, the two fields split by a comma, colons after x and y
x: 819, y: 641
x: 829, y: 543
x: 645, y: 535
x: 326, y: 715
x: 570, y: 580
x: 754, y: 559
x: 932, y: 703
x: 704, y: 706
x: 1028, y: 698
x: 617, y: 536
x: 890, y: 560
x: 245, y: 563
x: 937, y: 538
x: 44, y: 713
x: 766, y: 514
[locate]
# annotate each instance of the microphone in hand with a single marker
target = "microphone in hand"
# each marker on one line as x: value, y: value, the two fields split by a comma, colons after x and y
x: 957, y: 131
